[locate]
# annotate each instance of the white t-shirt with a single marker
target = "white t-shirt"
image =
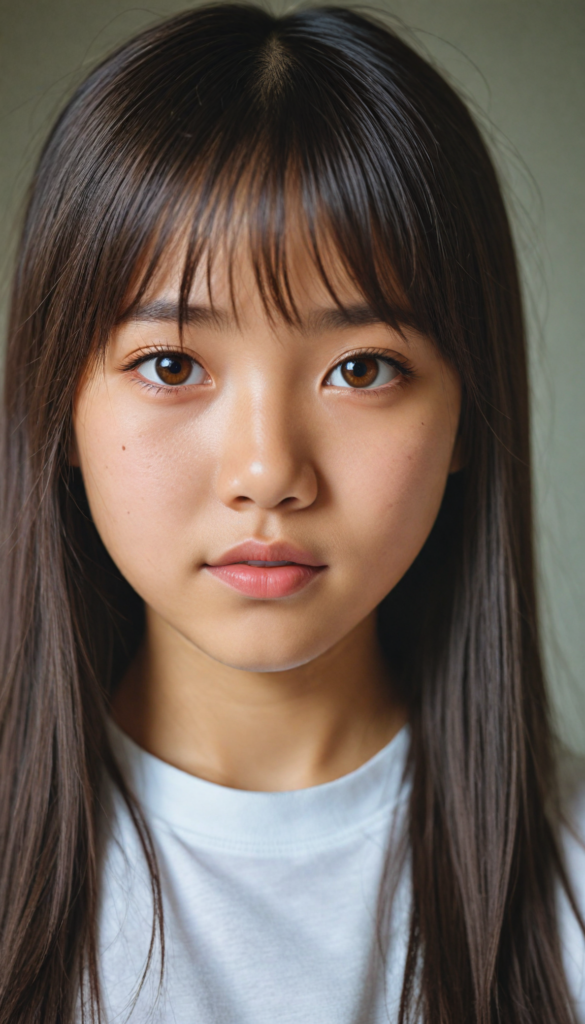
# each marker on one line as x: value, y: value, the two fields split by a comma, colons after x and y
x: 271, y: 900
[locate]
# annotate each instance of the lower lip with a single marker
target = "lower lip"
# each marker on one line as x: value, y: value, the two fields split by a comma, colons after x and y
x: 267, y: 584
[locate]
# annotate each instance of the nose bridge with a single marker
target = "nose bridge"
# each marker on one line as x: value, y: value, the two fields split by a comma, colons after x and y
x: 265, y: 460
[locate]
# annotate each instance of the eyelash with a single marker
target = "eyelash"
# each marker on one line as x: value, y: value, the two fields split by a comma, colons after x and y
x: 405, y: 369
x: 148, y: 385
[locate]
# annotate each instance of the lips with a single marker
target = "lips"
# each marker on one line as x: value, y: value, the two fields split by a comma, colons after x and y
x: 266, y: 571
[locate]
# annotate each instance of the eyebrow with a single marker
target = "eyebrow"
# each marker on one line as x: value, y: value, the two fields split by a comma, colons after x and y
x: 166, y: 311
x: 336, y: 317
x: 357, y: 315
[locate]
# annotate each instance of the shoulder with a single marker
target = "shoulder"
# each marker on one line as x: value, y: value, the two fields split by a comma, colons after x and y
x: 572, y: 791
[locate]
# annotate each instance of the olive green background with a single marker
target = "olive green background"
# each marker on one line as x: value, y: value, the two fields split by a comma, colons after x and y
x: 521, y: 63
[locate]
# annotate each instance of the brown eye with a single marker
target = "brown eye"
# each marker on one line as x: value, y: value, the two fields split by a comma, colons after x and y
x: 174, y: 369
x: 360, y: 373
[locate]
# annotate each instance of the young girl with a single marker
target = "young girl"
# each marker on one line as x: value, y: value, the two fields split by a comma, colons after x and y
x: 275, y: 743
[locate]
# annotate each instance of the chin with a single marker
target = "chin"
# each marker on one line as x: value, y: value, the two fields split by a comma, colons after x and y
x: 264, y: 654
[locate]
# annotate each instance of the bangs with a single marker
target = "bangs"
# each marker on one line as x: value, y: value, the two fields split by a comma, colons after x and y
x: 228, y: 135
x: 259, y: 144
x: 274, y: 218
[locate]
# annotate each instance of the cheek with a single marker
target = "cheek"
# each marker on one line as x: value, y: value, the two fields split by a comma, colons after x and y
x: 391, y: 489
x: 145, y: 483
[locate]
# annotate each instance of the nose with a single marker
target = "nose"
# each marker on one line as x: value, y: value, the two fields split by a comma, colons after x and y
x: 265, y: 462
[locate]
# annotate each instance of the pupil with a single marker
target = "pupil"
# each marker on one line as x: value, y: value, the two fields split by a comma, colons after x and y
x: 170, y: 366
x: 358, y: 368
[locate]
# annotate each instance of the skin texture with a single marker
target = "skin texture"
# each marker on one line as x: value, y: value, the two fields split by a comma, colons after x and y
x: 252, y: 693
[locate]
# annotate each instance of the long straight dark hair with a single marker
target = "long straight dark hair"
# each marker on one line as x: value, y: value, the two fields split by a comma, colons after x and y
x: 229, y: 124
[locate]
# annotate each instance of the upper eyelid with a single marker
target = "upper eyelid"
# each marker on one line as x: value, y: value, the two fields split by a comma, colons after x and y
x: 402, y: 364
x: 143, y: 355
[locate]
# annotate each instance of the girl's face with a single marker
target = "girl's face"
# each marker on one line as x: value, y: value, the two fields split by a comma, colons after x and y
x: 327, y: 446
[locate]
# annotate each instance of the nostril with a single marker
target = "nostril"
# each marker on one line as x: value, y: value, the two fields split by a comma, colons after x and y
x: 281, y: 485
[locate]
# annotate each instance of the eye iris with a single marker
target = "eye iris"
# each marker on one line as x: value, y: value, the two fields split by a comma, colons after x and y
x: 173, y: 369
x: 360, y: 373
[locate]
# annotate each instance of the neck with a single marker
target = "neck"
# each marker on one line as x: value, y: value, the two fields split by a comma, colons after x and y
x: 259, y: 730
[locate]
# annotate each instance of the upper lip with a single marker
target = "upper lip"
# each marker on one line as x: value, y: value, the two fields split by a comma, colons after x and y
x: 256, y: 551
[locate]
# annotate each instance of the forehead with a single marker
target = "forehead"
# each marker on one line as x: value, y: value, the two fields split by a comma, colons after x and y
x: 230, y: 286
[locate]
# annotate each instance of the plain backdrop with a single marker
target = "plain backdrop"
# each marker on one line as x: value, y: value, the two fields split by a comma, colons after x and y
x: 521, y: 65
